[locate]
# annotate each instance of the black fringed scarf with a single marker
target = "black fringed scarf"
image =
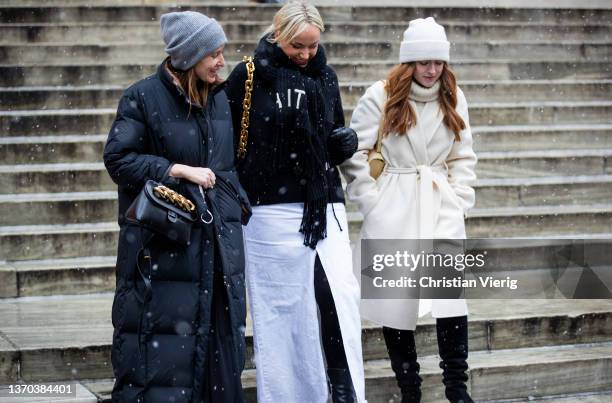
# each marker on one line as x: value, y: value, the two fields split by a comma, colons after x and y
x: 303, y: 129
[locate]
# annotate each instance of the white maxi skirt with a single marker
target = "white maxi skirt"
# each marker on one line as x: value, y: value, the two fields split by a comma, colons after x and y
x: 280, y: 281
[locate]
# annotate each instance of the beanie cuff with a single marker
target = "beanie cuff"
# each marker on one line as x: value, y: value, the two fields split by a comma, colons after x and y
x: 416, y: 51
x: 186, y: 61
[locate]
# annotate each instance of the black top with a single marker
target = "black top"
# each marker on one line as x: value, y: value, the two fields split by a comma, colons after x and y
x: 273, y: 170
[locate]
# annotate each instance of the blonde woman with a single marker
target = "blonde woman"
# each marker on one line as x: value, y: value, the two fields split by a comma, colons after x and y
x: 422, y: 193
x: 298, y: 251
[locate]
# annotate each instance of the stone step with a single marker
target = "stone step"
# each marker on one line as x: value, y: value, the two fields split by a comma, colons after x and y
x: 73, y: 334
x: 115, y: 3
x: 491, y: 372
x: 100, y: 239
x: 481, y: 91
x: 525, y: 164
x: 528, y: 221
x: 82, y: 275
x: 146, y: 52
x: 554, y: 4
x: 52, y: 149
x: 56, y: 3
x: 539, y: 220
x: 54, y: 53
x: 539, y: 112
x: 69, y: 177
x: 103, y: 388
x: 45, y: 74
x: 101, y: 206
x: 92, y: 176
x: 88, y: 148
x: 250, y: 12
x: 73, y: 148
x: 58, y: 241
x: 588, y: 397
x: 89, y: 121
x: 107, y: 96
x: 55, y: 178
x: 58, y: 208
x: 560, y: 136
x: 57, y: 121
x: 542, y: 191
x: 148, y: 31
x: 508, y: 374
x: 527, y: 260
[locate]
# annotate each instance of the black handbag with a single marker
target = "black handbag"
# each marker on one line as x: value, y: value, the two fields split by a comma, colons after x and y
x: 163, y: 211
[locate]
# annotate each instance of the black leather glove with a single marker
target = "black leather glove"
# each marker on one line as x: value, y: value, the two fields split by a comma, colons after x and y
x: 342, y: 144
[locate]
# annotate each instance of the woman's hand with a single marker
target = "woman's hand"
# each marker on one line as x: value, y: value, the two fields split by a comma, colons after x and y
x: 344, y: 139
x: 342, y: 144
x: 197, y: 175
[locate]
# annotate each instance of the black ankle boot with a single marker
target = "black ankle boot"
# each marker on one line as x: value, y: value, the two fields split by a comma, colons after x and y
x: 453, y: 348
x: 403, y: 355
x: 341, y: 385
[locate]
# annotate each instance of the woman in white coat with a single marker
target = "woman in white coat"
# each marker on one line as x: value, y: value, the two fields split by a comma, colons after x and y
x: 423, y: 192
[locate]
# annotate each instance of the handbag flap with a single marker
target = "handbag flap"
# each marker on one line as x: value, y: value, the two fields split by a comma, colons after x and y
x: 149, y: 192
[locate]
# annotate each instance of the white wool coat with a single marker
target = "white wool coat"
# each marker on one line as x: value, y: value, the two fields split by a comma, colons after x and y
x: 423, y: 193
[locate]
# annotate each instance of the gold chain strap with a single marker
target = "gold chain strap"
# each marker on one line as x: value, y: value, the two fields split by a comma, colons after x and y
x: 246, y: 107
x: 175, y: 198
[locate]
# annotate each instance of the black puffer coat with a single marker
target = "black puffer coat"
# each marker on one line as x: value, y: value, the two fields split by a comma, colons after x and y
x: 160, y: 346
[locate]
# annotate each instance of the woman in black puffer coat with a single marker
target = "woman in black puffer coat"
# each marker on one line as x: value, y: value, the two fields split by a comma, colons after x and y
x: 179, y: 337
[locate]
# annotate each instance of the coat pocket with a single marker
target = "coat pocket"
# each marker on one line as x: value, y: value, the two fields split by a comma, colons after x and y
x: 458, y: 201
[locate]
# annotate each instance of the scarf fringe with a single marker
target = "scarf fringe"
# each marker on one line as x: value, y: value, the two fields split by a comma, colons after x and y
x: 314, y: 217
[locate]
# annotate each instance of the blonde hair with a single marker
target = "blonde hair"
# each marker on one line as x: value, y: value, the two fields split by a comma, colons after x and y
x: 292, y: 19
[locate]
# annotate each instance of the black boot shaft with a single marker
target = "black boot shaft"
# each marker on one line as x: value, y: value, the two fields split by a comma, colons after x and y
x: 453, y: 347
x: 341, y: 385
x: 402, y: 353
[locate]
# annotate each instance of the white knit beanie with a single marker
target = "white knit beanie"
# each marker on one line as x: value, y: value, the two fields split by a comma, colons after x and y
x: 424, y: 39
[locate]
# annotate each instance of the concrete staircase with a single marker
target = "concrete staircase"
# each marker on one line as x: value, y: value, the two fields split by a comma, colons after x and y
x: 539, y: 84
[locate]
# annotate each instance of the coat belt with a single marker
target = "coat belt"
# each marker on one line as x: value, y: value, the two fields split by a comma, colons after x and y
x: 425, y: 194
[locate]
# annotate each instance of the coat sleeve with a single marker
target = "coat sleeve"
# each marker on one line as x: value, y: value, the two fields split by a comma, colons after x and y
x: 337, y: 153
x: 127, y: 154
x: 361, y: 187
x: 461, y: 160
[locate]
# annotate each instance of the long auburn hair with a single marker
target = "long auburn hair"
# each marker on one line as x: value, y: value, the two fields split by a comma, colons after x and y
x: 399, y: 116
x: 195, y: 89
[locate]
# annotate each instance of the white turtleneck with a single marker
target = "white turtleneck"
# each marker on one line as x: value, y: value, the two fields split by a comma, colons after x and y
x: 421, y: 95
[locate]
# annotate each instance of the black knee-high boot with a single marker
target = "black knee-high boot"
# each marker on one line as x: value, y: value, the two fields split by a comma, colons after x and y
x: 340, y: 382
x: 403, y: 355
x: 453, y: 347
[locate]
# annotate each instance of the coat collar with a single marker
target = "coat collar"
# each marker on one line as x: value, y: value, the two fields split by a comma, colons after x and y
x: 269, y: 57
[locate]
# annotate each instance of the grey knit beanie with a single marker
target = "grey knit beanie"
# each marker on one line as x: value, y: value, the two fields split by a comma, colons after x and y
x: 189, y: 37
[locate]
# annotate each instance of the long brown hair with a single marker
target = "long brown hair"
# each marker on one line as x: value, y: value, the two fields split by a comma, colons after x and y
x: 195, y: 89
x: 399, y: 116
